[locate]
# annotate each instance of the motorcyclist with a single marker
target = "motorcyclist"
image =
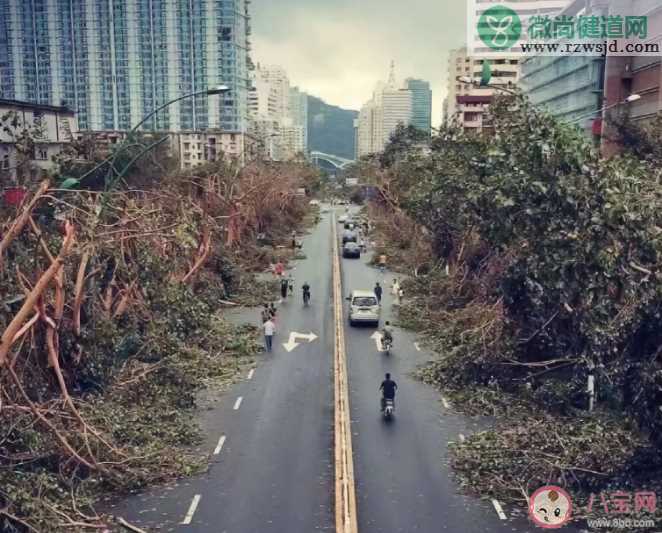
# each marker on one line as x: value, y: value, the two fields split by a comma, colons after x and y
x: 388, y: 388
x: 306, y: 292
x: 387, y: 333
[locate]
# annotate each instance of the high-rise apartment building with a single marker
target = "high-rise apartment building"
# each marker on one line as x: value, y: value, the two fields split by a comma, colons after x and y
x: 391, y: 105
x: 421, y: 107
x: 115, y: 62
x: 467, y: 103
x: 299, y: 112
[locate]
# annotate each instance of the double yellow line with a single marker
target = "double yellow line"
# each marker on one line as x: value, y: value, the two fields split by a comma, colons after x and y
x: 344, y: 461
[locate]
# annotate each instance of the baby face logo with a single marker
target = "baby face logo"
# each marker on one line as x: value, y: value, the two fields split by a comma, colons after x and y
x: 550, y: 507
x: 499, y: 27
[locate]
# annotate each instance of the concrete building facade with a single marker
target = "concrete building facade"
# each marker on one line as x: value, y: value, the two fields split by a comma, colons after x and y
x: 50, y: 128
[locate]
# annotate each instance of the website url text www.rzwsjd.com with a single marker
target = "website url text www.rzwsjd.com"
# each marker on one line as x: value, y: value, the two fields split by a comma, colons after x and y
x: 620, y: 523
x: 602, y: 48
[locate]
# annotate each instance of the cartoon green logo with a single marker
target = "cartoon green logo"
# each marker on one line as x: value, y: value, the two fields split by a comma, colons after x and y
x: 499, y: 27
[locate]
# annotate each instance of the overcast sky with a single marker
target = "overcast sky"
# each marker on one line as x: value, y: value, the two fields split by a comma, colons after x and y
x: 339, y: 49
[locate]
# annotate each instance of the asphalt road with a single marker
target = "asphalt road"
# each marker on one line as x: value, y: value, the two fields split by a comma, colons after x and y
x: 273, y: 434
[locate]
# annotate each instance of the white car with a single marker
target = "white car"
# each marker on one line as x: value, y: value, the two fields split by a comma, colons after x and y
x: 342, y: 219
x: 363, y: 307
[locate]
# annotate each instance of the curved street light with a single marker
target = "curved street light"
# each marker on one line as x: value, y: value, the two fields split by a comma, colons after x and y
x: 632, y: 98
x: 218, y: 89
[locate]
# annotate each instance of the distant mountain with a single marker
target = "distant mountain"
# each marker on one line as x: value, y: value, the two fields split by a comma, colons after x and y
x: 330, y: 128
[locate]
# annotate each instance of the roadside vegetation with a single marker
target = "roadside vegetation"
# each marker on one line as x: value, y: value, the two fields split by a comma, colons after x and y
x: 111, y: 319
x: 533, y: 262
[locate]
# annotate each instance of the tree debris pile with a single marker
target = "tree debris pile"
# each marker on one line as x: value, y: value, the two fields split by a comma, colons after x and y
x: 579, y: 454
x: 108, y: 314
x: 544, y: 267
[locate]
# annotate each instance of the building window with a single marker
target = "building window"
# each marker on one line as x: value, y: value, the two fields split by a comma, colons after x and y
x: 5, y: 162
x: 42, y: 154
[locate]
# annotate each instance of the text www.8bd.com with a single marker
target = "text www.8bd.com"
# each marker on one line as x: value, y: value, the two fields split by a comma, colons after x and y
x: 620, y: 523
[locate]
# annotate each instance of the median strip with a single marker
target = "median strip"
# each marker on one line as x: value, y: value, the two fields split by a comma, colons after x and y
x: 345, y: 501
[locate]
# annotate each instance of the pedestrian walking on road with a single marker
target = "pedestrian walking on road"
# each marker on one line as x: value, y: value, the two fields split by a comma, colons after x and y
x: 401, y: 296
x: 269, y: 330
x: 395, y: 288
x: 272, y: 312
x: 284, y: 284
x: 378, y: 292
x: 266, y: 313
x: 294, y: 240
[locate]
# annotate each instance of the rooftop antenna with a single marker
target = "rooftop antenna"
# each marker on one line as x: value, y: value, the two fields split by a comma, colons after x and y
x: 391, y: 76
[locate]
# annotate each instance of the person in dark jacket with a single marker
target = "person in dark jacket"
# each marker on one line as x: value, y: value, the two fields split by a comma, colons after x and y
x: 388, y: 388
x: 378, y: 292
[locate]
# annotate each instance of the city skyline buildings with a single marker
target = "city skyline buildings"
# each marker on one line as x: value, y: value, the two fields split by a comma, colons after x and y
x: 392, y: 104
x: 113, y: 63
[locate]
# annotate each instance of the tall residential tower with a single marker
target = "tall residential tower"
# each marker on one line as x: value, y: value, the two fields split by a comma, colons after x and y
x: 114, y: 62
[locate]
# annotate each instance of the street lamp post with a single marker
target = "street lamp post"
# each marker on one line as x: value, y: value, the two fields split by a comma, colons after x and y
x: 470, y: 81
x: 219, y: 89
x: 628, y: 100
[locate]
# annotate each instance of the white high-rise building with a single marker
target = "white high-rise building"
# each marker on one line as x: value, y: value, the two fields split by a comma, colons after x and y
x: 391, y: 105
x: 298, y: 113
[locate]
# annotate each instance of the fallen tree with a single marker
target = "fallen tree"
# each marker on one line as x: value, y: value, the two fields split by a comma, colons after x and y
x: 109, y: 325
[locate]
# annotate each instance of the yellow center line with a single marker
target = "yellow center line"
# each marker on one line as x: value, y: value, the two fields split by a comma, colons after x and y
x: 344, y: 462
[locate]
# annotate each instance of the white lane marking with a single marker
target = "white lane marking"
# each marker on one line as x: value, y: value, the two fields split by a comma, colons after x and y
x: 220, y: 444
x: 445, y: 402
x: 417, y: 346
x: 462, y: 438
x: 250, y: 373
x: 498, y: 509
x: 191, y: 510
x: 238, y: 402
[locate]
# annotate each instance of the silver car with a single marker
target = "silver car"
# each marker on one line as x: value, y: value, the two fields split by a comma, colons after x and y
x: 363, y: 308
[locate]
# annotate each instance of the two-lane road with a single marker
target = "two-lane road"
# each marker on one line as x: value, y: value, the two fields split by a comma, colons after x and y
x: 271, y: 438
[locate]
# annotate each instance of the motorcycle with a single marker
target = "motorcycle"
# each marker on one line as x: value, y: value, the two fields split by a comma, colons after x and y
x: 387, y: 344
x: 389, y: 408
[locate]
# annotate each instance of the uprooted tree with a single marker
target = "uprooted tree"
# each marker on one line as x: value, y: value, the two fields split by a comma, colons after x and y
x: 106, y: 297
x: 545, y: 259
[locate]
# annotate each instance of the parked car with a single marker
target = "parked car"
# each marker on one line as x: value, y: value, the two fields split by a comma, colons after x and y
x: 351, y: 249
x: 349, y: 236
x: 349, y: 225
x: 363, y: 308
x: 342, y: 219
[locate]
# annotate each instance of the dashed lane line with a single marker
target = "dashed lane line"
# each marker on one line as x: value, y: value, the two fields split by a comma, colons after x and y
x: 250, y: 373
x: 191, y: 510
x: 462, y: 438
x: 220, y: 444
x: 417, y: 346
x: 445, y: 402
x: 238, y: 403
x: 499, y: 509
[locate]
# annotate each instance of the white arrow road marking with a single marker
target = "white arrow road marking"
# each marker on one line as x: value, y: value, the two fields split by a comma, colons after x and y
x: 417, y: 346
x: 191, y: 510
x: 377, y: 337
x: 291, y: 344
x: 499, y: 510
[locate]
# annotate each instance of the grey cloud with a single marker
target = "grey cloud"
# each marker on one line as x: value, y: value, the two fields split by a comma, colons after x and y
x: 338, y: 49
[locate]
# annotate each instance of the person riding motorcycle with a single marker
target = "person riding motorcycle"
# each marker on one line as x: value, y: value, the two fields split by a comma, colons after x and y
x: 388, y: 388
x: 387, y: 334
x: 306, y: 292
